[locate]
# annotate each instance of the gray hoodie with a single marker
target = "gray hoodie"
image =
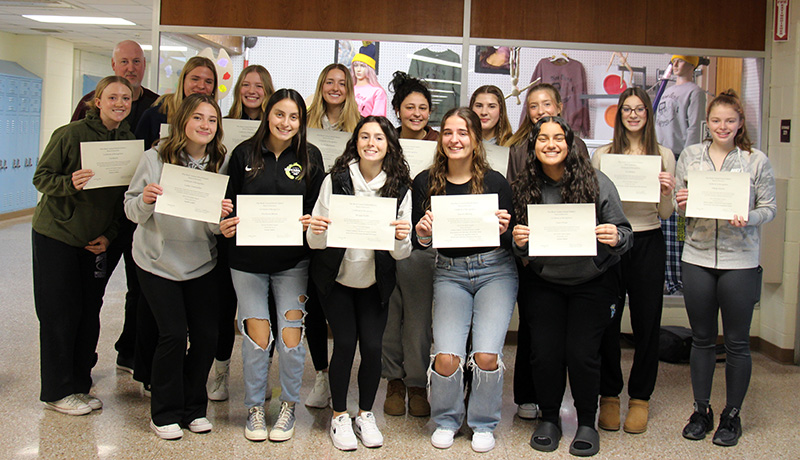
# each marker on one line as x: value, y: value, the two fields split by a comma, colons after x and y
x: 716, y: 243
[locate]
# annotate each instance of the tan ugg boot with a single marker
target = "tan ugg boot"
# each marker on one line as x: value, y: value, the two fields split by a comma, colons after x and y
x: 418, y: 405
x: 395, y: 403
x: 609, y: 413
x: 636, y: 420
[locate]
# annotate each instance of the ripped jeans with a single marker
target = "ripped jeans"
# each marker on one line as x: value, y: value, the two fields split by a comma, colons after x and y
x: 476, y: 292
x: 289, y: 289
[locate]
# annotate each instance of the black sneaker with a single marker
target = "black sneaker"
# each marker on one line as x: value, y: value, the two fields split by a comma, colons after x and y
x: 699, y: 424
x: 730, y: 428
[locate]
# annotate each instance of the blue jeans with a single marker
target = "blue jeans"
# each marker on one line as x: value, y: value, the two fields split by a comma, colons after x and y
x: 289, y: 288
x: 475, y: 292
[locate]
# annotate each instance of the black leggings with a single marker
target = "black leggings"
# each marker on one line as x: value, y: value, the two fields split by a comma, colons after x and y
x: 316, y: 329
x: 356, y: 317
x: 708, y: 291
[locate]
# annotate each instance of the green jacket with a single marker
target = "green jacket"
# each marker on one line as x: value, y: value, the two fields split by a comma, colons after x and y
x: 64, y: 213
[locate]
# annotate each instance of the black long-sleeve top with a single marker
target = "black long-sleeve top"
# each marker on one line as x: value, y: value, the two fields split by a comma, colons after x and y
x: 279, y: 176
x: 493, y: 182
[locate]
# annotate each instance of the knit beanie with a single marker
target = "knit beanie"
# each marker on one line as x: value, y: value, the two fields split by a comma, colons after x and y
x: 693, y: 60
x: 366, y: 54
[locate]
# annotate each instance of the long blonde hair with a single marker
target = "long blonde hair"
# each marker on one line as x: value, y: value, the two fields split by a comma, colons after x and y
x: 350, y: 115
x: 171, y: 101
x: 237, y: 108
x: 527, y: 124
x: 170, y: 148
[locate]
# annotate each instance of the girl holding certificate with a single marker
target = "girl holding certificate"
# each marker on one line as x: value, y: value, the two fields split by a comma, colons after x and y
x: 72, y: 229
x: 642, y: 270
x: 569, y: 300
x: 355, y: 284
x: 473, y: 288
x: 407, y: 338
x: 250, y: 96
x: 277, y: 160
x: 334, y: 105
x: 251, y: 93
x: 490, y: 105
x: 543, y: 99
x: 720, y: 267
x: 198, y: 76
x: 175, y: 258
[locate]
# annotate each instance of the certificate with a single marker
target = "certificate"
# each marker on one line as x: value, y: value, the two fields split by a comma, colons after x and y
x: 164, y: 130
x: 191, y: 193
x: 465, y: 221
x: 330, y: 143
x: 497, y: 156
x: 112, y: 162
x: 635, y: 176
x: 361, y: 222
x: 269, y: 220
x: 237, y: 131
x: 562, y: 230
x: 419, y: 154
x: 718, y: 194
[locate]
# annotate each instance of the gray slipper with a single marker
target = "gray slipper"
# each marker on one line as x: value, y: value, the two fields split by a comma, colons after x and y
x: 586, y: 442
x: 546, y: 436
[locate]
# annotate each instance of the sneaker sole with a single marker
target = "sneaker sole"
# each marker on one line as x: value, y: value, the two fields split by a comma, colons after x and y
x: 482, y: 449
x: 165, y: 435
x: 280, y: 435
x: 96, y: 405
x: 77, y: 411
x: 342, y: 446
x: 255, y: 436
x: 528, y: 415
x: 216, y: 397
x: 201, y: 429
x: 365, y: 443
x: 441, y: 445
x: 315, y: 405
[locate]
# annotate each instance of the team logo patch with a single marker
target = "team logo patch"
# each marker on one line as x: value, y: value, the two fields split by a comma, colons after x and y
x: 293, y: 171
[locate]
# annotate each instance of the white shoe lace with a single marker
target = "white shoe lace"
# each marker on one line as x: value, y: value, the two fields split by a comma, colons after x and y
x: 368, y: 424
x: 219, y: 381
x: 73, y: 400
x: 257, y: 420
x: 285, y: 416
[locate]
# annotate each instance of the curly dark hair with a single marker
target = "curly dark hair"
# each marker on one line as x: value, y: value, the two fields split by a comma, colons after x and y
x: 394, y: 163
x: 578, y: 184
x: 402, y: 85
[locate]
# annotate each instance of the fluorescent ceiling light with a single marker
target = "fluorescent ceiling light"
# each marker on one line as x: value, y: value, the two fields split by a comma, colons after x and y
x: 181, y: 49
x: 79, y: 20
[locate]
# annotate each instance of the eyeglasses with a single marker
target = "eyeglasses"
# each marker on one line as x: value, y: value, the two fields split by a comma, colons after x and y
x: 641, y: 110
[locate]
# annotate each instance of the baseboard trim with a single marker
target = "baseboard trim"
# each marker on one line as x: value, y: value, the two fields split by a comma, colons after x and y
x: 16, y: 214
x: 774, y: 352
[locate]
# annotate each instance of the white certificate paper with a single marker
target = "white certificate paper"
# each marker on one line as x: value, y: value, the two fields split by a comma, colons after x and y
x: 330, y: 143
x: 635, y: 176
x: 465, y: 221
x: 112, y: 162
x: 164, y: 130
x: 362, y: 222
x: 191, y: 193
x: 237, y: 131
x: 497, y: 156
x: 718, y: 194
x: 419, y: 154
x: 269, y: 220
x: 562, y: 230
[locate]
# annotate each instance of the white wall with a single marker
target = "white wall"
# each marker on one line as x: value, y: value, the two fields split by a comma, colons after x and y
x: 85, y: 63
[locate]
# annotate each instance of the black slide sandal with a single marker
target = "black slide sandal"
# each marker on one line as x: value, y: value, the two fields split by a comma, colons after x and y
x: 586, y: 442
x: 546, y: 437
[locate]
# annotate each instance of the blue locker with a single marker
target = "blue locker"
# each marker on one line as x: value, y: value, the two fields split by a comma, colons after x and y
x: 20, y: 113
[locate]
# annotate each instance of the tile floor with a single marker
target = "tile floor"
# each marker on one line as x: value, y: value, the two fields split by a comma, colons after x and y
x: 120, y: 430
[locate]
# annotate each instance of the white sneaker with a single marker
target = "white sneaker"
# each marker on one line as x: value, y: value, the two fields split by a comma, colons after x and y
x: 218, y: 388
x: 528, y: 411
x: 320, y: 396
x: 200, y: 425
x: 367, y: 430
x: 256, y: 427
x: 284, y: 427
x: 92, y: 401
x: 171, y: 431
x: 70, y: 405
x: 482, y: 441
x: 342, y: 433
x: 442, y: 438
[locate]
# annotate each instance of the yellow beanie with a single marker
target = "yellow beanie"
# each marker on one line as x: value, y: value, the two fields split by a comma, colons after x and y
x: 365, y: 59
x: 693, y: 60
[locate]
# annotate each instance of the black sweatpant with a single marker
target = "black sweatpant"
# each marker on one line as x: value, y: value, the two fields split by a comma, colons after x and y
x: 121, y: 248
x: 68, y: 287
x: 642, y: 269
x: 356, y: 317
x: 316, y: 329
x: 734, y: 293
x: 227, y: 302
x: 524, y: 389
x: 179, y: 377
x: 567, y: 325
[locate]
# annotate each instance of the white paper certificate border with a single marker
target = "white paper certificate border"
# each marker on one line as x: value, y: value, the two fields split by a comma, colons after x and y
x: 284, y: 230
x: 547, y: 240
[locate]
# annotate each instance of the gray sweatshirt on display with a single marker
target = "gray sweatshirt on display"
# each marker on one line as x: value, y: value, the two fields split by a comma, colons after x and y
x: 679, y: 116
